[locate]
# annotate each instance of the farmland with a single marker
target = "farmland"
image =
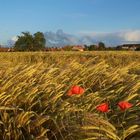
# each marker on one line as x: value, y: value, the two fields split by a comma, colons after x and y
x: 34, y: 101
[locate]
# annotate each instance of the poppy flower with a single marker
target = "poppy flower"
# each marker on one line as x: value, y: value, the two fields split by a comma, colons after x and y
x: 103, y: 107
x: 124, y: 105
x: 75, y: 90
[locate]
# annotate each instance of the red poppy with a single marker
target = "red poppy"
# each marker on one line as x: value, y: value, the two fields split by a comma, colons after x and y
x: 75, y: 90
x: 124, y: 105
x: 103, y: 107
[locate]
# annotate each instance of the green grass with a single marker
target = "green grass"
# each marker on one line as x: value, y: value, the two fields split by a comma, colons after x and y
x: 34, y: 102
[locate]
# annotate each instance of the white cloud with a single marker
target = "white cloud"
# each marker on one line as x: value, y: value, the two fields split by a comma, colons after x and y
x: 131, y: 35
x: 14, y: 39
x: 113, y: 38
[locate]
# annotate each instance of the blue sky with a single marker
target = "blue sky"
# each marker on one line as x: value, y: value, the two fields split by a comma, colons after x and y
x: 95, y: 18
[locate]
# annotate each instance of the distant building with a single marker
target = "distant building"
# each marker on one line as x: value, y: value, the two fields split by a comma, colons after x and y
x: 131, y: 47
x: 5, y: 49
x: 78, y: 48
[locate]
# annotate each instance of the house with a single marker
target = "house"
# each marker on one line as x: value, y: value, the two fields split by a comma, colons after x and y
x: 131, y: 47
x: 78, y: 48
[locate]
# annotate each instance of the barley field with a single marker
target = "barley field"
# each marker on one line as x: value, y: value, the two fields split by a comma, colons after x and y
x: 35, y: 104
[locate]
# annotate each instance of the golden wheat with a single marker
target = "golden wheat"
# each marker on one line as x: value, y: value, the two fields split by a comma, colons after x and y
x: 34, y: 102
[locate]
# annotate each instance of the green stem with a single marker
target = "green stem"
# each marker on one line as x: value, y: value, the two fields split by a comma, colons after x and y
x: 123, y: 125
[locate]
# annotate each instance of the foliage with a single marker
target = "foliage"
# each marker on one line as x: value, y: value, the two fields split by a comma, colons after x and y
x: 138, y: 49
x: 101, y: 46
x: 28, y: 42
x: 34, y: 102
x: 91, y: 47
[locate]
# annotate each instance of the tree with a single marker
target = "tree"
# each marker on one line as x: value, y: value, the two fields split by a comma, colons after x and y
x: 101, y: 46
x: 28, y: 42
x: 138, y: 48
x: 86, y: 48
x: 39, y: 41
x: 92, y: 47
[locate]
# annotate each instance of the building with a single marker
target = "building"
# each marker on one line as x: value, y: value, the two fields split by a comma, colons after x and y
x: 131, y: 47
x: 78, y: 48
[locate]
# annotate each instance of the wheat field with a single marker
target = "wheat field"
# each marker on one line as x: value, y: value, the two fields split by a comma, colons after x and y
x: 34, y: 104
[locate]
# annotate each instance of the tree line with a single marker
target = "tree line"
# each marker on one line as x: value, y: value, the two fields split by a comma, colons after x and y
x: 37, y: 42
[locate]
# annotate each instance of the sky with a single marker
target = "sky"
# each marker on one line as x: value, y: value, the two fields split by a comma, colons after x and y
x: 112, y: 21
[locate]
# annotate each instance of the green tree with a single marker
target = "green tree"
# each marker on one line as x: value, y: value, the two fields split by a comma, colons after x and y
x: 92, y: 47
x: 28, y: 42
x: 101, y: 46
x: 138, y: 49
x: 39, y: 41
